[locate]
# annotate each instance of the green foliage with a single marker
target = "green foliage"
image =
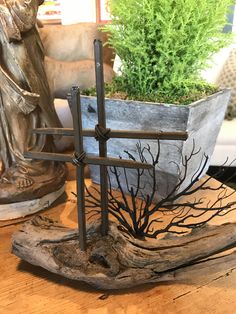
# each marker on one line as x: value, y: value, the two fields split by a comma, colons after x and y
x: 164, y: 45
x: 114, y: 90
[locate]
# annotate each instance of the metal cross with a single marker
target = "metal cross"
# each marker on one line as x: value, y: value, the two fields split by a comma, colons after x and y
x: 102, y: 134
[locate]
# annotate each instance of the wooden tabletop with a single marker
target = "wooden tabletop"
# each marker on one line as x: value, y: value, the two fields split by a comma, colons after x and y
x: 207, y: 287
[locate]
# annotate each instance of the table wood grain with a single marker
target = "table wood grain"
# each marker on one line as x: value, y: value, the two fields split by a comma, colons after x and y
x: 207, y: 287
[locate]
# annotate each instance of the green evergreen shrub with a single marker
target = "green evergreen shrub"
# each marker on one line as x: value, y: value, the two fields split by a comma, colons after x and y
x: 164, y: 45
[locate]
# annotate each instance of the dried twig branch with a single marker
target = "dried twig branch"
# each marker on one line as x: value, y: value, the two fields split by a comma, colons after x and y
x: 144, y: 218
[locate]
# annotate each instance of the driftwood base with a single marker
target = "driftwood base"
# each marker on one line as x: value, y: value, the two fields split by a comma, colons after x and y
x: 118, y: 260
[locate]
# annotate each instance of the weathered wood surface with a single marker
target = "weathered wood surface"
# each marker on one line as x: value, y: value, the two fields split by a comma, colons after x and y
x: 207, y: 287
x: 133, y: 115
x: 115, y: 261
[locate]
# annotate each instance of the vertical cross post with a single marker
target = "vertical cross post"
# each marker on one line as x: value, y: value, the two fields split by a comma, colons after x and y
x: 102, y: 134
x: 101, y: 124
x: 74, y: 101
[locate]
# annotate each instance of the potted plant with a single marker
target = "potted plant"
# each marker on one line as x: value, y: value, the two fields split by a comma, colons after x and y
x: 163, y: 46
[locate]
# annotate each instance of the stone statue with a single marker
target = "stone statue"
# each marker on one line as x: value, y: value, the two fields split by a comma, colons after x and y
x: 25, y: 103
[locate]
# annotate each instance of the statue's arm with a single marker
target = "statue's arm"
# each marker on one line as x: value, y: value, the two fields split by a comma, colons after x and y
x: 18, y: 16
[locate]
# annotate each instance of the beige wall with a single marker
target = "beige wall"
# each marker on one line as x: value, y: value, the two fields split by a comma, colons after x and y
x: 75, y: 11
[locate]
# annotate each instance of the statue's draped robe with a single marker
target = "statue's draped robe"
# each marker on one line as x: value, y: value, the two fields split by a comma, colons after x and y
x: 25, y: 101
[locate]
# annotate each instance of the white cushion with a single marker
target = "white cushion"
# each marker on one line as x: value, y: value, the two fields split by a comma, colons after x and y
x: 225, y: 144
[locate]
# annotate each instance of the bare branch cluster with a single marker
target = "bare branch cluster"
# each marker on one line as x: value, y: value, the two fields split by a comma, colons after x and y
x: 142, y: 218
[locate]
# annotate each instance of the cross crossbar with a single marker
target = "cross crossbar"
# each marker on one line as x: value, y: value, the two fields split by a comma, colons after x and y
x: 89, y: 159
x: 132, y: 134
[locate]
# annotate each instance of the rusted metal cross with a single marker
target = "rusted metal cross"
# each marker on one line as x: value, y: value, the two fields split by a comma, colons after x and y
x: 102, y: 134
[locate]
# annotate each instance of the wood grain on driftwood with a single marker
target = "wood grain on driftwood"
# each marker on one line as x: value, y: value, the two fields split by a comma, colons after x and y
x: 117, y: 260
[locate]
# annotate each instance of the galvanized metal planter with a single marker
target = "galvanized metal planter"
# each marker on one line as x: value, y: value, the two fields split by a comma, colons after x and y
x: 201, y: 119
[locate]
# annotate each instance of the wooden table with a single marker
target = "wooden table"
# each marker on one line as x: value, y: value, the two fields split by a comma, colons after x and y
x: 208, y: 287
